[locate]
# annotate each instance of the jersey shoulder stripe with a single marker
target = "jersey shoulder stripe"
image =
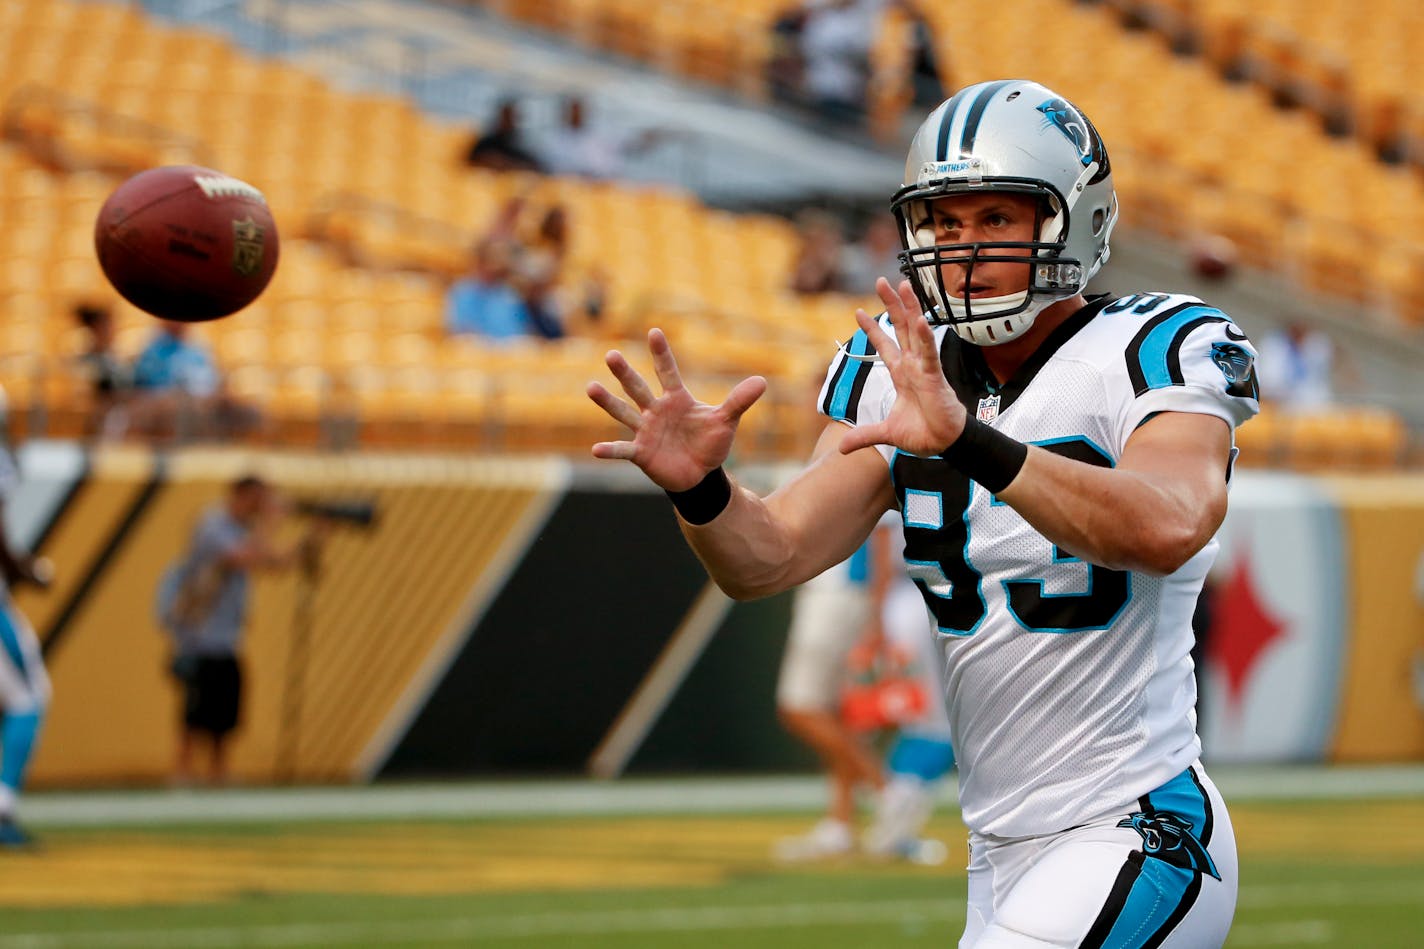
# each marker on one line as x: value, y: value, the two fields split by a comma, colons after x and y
x: 1154, y: 355
x: 853, y: 367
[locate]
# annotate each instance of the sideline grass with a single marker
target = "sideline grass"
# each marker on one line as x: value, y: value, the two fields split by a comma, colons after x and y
x: 1329, y: 874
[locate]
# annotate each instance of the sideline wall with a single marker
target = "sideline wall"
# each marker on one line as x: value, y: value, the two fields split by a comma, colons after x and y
x: 524, y: 616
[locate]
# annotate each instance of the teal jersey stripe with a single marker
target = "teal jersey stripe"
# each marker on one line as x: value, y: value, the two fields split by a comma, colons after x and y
x: 840, y: 401
x: 1156, y: 354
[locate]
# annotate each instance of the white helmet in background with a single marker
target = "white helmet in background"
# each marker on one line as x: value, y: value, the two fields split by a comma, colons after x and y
x: 1016, y: 136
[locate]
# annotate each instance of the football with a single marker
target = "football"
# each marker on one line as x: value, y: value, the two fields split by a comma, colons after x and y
x: 186, y: 243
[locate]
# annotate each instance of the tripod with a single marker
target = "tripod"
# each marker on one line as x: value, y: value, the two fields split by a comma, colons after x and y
x: 298, y: 653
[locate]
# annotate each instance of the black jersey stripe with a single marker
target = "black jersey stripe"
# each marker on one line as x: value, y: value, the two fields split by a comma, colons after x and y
x: 1205, y: 835
x: 856, y: 388
x: 835, y: 383
x: 976, y: 114
x: 1116, y: 901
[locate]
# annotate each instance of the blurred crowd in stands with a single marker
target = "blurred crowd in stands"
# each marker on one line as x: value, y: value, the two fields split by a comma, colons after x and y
x: 171, y: 391
x: 836, y: 257
x: 822, y: 57
x: 574, y: 147
x: 517, y: 284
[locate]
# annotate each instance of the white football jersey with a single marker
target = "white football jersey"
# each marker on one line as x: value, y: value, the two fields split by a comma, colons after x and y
x: 1069, y: 685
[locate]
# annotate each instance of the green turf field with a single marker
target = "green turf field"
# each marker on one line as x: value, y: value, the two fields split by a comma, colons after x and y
x: 1330, y: 874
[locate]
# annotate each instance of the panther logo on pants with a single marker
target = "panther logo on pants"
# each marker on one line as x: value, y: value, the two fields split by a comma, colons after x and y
x: 1170, y: 838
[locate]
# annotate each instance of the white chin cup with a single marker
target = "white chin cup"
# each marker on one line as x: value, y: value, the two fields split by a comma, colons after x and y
x: 988, y: 327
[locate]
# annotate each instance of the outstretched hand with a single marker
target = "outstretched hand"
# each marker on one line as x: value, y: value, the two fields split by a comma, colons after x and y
x: 676, y: 440
x: 926, y: 417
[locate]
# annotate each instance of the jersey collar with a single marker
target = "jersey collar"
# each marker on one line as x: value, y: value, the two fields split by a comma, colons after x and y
x: 969, y: 374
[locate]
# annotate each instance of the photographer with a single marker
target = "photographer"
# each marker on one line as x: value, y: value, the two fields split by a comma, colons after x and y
x: 202, y: 604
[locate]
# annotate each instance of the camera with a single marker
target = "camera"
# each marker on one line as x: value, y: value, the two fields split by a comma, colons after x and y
x: 352, y: 513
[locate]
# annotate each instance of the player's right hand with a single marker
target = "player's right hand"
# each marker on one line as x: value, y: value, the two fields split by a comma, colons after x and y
x: 676, y: 440
x: 927, y: 416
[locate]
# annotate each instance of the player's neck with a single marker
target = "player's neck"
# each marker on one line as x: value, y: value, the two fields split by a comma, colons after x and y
x: 1006, y: 359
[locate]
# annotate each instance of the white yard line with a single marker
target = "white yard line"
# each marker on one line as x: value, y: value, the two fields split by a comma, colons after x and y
x: 573, y: 797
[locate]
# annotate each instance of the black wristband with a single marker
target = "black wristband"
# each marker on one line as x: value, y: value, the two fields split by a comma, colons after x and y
x: 705, y: 499
x: 986, y: 455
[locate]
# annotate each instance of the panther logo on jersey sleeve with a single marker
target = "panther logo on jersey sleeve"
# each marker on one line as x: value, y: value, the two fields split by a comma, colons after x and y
x: 1186, y: 356
x: 1239, y: 368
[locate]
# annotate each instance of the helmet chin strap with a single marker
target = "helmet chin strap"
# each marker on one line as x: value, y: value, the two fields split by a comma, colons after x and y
x: 987, y: 327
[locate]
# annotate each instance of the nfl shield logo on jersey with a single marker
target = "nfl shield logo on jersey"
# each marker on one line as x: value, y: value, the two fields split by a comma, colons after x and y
x: 988, y: 408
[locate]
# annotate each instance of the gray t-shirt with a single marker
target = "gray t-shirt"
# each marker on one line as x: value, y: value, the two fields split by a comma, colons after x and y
x: 213, y: 597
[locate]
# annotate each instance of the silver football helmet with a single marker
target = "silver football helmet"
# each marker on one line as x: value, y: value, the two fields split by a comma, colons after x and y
x: 1007, y: 135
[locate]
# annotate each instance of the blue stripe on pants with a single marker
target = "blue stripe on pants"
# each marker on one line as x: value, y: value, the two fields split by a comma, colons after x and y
x: 10, y: 641
x: 17, y: 743
x: 1160, y: 891
x: 1159, y: 883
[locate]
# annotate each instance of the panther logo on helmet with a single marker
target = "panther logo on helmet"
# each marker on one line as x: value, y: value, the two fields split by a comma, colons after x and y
x: 1062, y: 116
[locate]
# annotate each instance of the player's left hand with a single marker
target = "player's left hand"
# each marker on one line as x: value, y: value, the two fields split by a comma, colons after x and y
x: 926, y: 417
x: 675, y: 438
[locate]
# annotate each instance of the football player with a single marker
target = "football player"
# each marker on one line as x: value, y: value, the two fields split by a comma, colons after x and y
x: 921, y: 754
x: 853, y: 622
x: 24, y: 684
x: 1060, y: 463
x: 828, y: 617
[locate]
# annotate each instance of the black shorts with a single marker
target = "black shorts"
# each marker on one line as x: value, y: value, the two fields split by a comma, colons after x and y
x: 213, y: 695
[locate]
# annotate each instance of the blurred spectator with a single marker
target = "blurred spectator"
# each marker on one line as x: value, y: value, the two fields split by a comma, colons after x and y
x: 519, y: 283
x: 110, y: 378
x: 501, y: 147
x: 1296, y: 367
x: 179, y: 393
x: 836, y: 42
x: 926, y: 84
x: 202, y: 603
x: 560, y: 303
x: 817, y: 268
x: 172, y: 361
x: 485, y: 301
x: 822, y: 52
x: 876, y: 254
x: 588, y: 151
x: 786, y: 66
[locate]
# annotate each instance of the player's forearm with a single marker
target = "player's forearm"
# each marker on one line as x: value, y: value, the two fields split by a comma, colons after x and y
x: 745, y: 549
x: 759, y: 546
x: 1123, y: 519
